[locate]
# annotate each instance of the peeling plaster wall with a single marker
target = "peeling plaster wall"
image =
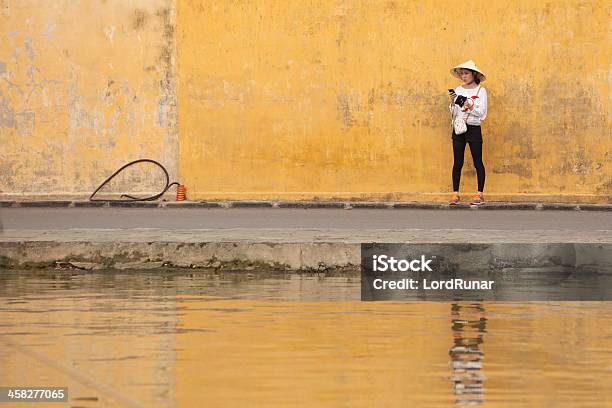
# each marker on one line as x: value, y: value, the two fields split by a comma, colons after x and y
x: 347, y: 99
x: 85, y: 87
x: 302, y: 100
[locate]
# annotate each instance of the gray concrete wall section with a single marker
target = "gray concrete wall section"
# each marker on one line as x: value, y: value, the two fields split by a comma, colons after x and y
x: 300, y: 239
x: 249, y: 256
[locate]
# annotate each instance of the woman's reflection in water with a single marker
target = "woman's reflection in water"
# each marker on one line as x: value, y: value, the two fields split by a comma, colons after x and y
x: 469, y: 323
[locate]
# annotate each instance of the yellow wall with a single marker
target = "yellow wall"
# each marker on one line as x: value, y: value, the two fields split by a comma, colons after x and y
x: 84, y: 88
x: 296, y: 99
x: 302, y: 99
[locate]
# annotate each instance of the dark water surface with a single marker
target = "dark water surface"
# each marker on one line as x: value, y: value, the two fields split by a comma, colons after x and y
x: 182, y: 339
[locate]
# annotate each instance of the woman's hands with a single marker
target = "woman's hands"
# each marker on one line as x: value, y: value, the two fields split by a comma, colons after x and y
x: 452, y: 97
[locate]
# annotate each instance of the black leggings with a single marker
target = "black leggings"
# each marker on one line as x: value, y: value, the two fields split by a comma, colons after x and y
x: 458, y: 152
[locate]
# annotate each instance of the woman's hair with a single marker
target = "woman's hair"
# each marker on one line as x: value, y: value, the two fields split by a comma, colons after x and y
x: 476, y: 76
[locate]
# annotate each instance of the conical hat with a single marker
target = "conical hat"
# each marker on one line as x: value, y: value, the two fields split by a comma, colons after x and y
x: 468, y: 65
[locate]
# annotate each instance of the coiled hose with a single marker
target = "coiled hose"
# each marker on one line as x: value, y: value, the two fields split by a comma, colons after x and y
x: 130, y: 198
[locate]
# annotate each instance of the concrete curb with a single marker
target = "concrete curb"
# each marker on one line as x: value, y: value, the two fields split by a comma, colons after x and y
x: 304, y: 205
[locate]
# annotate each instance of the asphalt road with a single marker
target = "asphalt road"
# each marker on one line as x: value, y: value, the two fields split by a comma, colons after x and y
x: 271, y: 218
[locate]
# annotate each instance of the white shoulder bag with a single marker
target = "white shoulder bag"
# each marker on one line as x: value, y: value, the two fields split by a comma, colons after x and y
x: 460, y: 122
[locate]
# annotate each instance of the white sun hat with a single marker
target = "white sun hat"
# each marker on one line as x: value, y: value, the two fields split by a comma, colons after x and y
x: 468, y: 65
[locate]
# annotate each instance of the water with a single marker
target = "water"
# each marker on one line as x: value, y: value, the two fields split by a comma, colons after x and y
x: 180, y: 339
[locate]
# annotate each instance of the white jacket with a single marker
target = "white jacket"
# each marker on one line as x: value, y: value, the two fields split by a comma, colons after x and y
x: 479, y: 112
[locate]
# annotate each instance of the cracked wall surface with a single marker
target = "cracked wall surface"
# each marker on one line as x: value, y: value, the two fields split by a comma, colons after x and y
x: 86, y: 87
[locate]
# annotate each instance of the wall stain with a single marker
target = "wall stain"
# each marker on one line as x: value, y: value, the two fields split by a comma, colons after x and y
x: 522, y: 168
x: 139, y: 19
x: 108, y: 92
x: 7, y: 113
x: 346, y: 105
x: 576, y: 164
x: 26, y: 122
x: 167, y: 101
x: 605, y: 187
x: 570, y: 107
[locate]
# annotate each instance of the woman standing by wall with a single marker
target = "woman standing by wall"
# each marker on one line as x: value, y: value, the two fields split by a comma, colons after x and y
x: 468, y: 100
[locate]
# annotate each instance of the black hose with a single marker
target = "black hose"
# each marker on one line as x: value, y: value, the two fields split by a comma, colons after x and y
x: 132, y: 198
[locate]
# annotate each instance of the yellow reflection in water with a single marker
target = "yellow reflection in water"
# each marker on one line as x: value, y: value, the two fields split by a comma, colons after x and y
x: 192, y: 351
x: 386, y: 354
x: 312, y: 354
x: 108, y: 352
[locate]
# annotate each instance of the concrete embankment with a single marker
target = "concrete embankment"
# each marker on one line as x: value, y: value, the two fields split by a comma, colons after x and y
x: 334, y: 256
x: 300, y: 239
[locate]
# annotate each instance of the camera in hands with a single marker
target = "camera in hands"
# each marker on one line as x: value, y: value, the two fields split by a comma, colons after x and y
x: 460, y: 100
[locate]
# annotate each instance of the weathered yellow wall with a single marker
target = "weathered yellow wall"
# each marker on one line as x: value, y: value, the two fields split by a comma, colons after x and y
x: 304, y: 99
x: 298, y: 100
x: 84, y: 88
